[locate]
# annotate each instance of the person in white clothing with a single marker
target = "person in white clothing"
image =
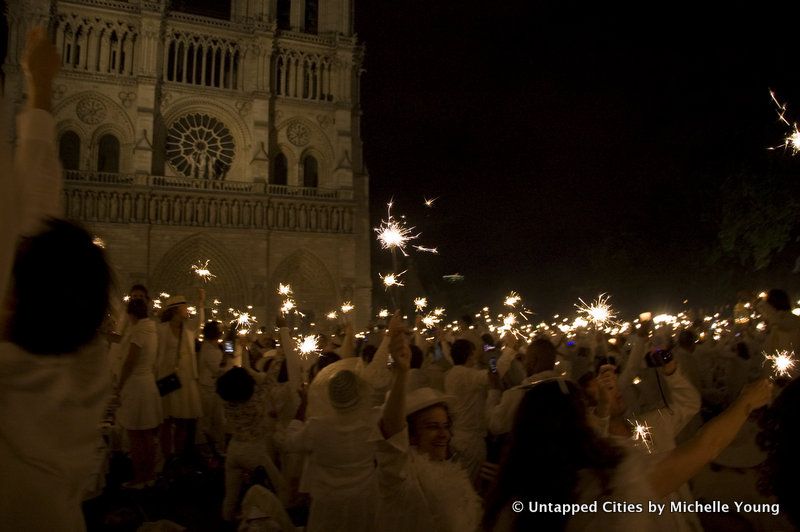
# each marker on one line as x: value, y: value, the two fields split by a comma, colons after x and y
x: 54, y: 384
x: 419, y: 488
x: 209, y: 368
x: 140, y: 411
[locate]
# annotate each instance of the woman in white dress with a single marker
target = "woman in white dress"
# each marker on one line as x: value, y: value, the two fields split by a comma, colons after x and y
x: 420, y: 488
x: 176, y: 354
x: 140, y: 411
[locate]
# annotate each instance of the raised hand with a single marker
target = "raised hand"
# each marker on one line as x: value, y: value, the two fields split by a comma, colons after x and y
x: 40, y: 62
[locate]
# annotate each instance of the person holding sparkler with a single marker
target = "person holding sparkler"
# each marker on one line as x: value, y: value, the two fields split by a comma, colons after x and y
x: 176, y: 358
x: 419, y: 487
x: 557, y: 457
x: 54, y: 383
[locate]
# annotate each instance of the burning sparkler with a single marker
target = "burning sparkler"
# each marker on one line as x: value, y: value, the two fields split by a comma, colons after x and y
x: 288, y: 305
x: 99, y: 242
x: 642, y: 433
x: 332, y: 315
x: 782, y: 363
x: 420, y: 303
x: 429, y: 202
x: 346, y: 307
x: 391, y: 279
x: 383, y: 313
x: 284, y: 289
x: 512, y: 299
x: 599, y: 312
x: 309, y: 344
x: 792, y: 140
x: 394, y: 234
x: 202, y: 271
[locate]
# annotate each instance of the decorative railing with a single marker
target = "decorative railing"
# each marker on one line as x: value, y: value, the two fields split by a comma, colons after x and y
x: 121, y: 198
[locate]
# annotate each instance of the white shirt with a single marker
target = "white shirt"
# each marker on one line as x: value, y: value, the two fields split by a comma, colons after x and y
x: 500, y: 414
x: 468, y: 409
x: 208, y: 368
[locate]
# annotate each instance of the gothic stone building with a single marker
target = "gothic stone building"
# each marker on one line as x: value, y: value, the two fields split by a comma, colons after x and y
x: 220, y: 130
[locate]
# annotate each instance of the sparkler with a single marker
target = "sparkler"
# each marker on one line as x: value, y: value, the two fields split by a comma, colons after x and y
x: 435, y: 251
x: 99, y: 242
x: 309, y: 344
x: 642, y: 433
x: 383, y: 313
x: 332, y: 315
x: 792, y: 140
x: 202, y: 271
x: 420, y: 303
x: 346, y: 307
x: 782, y: 363
x: 512, y: 299
x: 392, y: 279
x: 288, y: 305
x: 599, y: 312
x: 394, y: 234
x: 284, y: 289
x: 163, y: 295
x: 429, y: 202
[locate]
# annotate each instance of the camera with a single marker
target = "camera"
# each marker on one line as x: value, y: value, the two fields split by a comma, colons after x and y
x: 493, y: 364
x: 658, y: 358
x: 227, y: 347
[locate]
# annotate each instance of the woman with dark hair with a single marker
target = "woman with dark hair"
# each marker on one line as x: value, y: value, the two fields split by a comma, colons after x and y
x: 140, y: 411
x: 555, y: 457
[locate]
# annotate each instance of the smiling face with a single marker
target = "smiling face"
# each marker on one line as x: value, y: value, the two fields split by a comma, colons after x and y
x: 430, y: 432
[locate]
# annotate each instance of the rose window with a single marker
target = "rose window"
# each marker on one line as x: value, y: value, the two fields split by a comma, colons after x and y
x: 200, y: 146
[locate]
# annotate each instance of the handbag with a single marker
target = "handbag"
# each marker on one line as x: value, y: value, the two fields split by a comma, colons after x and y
x: 168, y: 384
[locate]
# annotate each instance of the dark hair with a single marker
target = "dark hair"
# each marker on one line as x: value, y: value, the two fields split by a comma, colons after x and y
x: 140, y: 288
x: 780, y: 438
x: 467, y: 319
x: 551, y: 442
x: 212, y: 330
x: 283, y: 372
x: 461, y: 350
x: 687, y: 338
x: 60, y: 264
x: 325, y: 359
x: 417, y: 357
x: 236, y: 385
x: 168, y: 313
x: 779, y: 299
x: 137, y: 308
x: 368, y: 353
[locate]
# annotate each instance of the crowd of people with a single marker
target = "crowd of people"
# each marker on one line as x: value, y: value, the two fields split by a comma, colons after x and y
x: 406, y: 429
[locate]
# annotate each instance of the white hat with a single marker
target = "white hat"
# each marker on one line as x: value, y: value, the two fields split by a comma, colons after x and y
x: 319, y: 394
x: 343, y: 390
x: 422, y: 398
x: 174, y: 301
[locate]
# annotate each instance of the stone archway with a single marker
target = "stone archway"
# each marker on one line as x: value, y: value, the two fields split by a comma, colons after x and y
x: 314, y: 288
x: 174, y: 273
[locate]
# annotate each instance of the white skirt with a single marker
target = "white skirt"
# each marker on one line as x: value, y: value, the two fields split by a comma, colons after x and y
x: 185, y: 402
x: 140, y: 407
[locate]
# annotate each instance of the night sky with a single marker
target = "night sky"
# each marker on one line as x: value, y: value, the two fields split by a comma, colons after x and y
x: 574, y: 152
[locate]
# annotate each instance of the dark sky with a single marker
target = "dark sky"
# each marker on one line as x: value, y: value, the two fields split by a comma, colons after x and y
x: 574, y: 152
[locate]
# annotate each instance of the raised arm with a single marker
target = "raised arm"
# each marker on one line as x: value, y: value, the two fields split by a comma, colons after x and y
x: 685, y: 461
x: 394, y: 418
x: 293, y: 365
x: 348, y: 349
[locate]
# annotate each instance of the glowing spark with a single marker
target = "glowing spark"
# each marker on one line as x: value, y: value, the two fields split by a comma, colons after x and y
x: 192, y: 310
x: 430, y: 321
x: 288, y: 306
x: 782, y: 363
x: 99, y: 242
x: 346, y: 307
x: 244, y: 320
x: 393, y: 234
x: 309, y: 344
x: 332, y: 315
x: 202, y: 271
x: 637, y: 380
x: 429, y: 202
x: 512, y: 299
x: 641, y: 433
x: 284, y: 289
x: 792, y: 140
x: 383, y: 313
x: 126, y: 299
x: 391, y: 279
x: 420, y: 303
x: 156, y: 303
x: 163, y: 295
x: 665, y: 318
x: 426, y: 250
x: 438, y: 311
x: 599, y: 312
x: 216, y: 302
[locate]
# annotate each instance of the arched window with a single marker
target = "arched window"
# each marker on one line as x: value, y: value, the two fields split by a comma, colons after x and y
x: 69, y: 150
x: 280, y: 174
x: 310, y: 172
x: 311, y: 16
x: 284, y: 14
x: 108, y: 154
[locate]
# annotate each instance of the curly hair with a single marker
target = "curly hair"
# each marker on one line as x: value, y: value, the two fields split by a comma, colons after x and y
x: 780, y: 439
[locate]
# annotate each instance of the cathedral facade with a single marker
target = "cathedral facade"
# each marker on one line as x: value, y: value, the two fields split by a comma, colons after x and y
x: 224, y: 131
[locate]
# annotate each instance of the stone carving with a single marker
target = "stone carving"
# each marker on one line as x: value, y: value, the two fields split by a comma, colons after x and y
x: 127, y: 98
x: 91, y: 110
x: 298, y: 133
x: 243, y: 107
x: 325, y: 120
x: 200, y: 146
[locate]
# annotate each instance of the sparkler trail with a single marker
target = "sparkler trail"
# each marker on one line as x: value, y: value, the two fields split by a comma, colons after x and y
x: 792, y: 140
x: 512, y: 299
x: 599, y: 312
x: 782, y: 363
x: 642, y: 433
x: 202, y: 271
x: 391, y: 279
x: 429, y: 202
x: 394, y: 234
